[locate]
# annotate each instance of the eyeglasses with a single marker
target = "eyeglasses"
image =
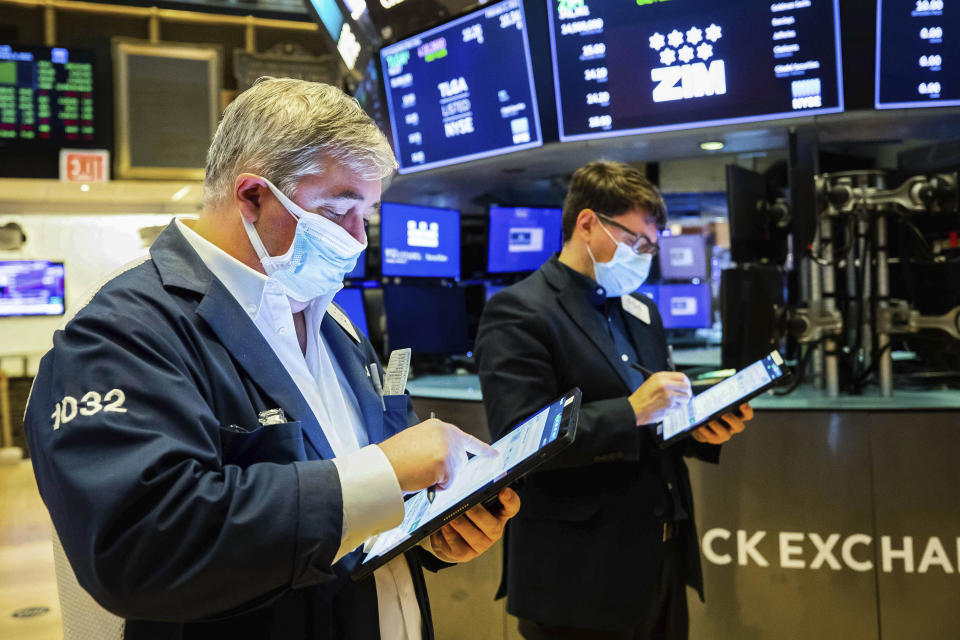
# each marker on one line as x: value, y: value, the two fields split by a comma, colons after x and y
x: 641, y: 244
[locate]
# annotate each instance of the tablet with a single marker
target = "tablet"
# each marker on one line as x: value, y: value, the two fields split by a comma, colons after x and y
x: 721, y: 398
x: 539, y: 437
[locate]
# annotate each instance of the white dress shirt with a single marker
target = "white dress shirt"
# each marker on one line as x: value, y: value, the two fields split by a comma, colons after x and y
x: 372, y: 499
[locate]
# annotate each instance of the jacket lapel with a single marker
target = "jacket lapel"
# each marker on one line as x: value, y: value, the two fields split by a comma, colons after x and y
x: 646, y: 341
x: 180, y: 267
x: 590, y: 321
x: 355, y: 368
x: 243, y: 340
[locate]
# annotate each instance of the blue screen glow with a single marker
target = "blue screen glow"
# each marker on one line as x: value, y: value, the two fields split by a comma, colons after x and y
x: 31, y: 288
x: 652, y: 291
x: 522, y: 239
x: 491, y: 290
x: 360, y: 271
x: 330, y: 16
x: 419, y: 241
x: 635, y: 67
x: 685, y: 306
x: 683, y: 257
x: 351, y: 300
x: 463, y: 90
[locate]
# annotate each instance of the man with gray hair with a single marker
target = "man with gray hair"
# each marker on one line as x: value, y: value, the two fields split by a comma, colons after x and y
x: 207, y: 432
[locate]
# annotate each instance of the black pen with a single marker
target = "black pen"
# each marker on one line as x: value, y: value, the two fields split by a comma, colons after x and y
x: 431, y: 492
x: 642, y: 369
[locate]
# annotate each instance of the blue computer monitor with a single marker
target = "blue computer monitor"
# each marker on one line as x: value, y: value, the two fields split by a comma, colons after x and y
x: 351, y: 300
x: 463, y: 90
x: 522, y: 238
x: 419, y: 241
x: 683, y: 257
x: 652, y: 291
x: 685, y: 306
x: 429, y: 320
x: 636, y: 67
x: 31, y: 288
x: 360, y: 271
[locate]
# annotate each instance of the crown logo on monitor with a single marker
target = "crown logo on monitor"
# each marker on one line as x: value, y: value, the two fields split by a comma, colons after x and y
x: 423, y: 234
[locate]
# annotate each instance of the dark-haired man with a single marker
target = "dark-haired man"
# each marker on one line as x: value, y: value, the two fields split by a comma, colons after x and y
x: 606, y: 541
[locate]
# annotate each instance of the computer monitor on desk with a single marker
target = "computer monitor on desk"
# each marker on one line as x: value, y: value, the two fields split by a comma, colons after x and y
x: 522, y: 238
x: 685, y: 306
x: 418, y: 241
x: 429, y: 320
x: 359, y: 272
x: 683, y: 257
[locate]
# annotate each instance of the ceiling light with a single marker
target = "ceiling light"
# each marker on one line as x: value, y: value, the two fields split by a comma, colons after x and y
x: 711, y: 145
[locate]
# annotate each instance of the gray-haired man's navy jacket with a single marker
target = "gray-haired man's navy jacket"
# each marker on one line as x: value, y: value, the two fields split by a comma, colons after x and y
x: 178, y: 511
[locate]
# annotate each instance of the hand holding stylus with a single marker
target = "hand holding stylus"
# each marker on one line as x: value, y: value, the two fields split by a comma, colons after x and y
x: 660, y: 393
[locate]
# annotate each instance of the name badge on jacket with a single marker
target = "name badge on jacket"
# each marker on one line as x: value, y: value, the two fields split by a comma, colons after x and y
x: 341, y: 319
x: 635, y: 308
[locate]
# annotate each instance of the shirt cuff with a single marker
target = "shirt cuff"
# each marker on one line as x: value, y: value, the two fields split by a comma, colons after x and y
x: 372, y: 500
x: 427, y: 546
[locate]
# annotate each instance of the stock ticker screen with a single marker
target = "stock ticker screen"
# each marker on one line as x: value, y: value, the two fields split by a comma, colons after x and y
x: 635, y: 67
x: 463, y: 90
x: 918, y: 53
x: 46, y: 94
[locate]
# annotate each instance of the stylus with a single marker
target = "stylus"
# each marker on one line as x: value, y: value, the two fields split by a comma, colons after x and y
x: 642, y: 369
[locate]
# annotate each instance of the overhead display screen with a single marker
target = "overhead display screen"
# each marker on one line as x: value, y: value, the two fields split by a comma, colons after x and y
x: 46, y: 94
x: 636, y: 67
x: 918, y: 53
x: 463, y: 90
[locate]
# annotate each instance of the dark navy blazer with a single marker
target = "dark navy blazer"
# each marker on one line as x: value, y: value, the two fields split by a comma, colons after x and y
x: 177, y: 509
x: 584, y: 549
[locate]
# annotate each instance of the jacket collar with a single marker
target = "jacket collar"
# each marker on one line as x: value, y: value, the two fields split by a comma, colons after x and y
x: 178, y: 264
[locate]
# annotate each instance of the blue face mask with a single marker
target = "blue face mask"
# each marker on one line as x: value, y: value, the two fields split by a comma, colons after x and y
x: 321, y: 254
x: 625, y: 272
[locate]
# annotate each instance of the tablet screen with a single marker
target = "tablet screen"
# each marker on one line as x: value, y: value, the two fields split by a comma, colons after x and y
x: 517, y: 446
x: 724, y: 394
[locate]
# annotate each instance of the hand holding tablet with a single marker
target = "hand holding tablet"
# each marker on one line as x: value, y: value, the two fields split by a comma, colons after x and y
x: 476, y: 481
x: 721, y: 399
x: 723, y: 428
x: 466, y: 537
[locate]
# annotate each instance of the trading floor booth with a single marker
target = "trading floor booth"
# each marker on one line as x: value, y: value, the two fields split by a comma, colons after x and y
x: 808, y: 153
x: 824, y: 519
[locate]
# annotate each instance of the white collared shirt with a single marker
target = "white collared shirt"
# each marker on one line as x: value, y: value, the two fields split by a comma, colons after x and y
x: 372, y: 499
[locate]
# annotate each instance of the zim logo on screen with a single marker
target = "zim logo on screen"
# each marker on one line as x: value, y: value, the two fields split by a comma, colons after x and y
x: 691, y: 77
